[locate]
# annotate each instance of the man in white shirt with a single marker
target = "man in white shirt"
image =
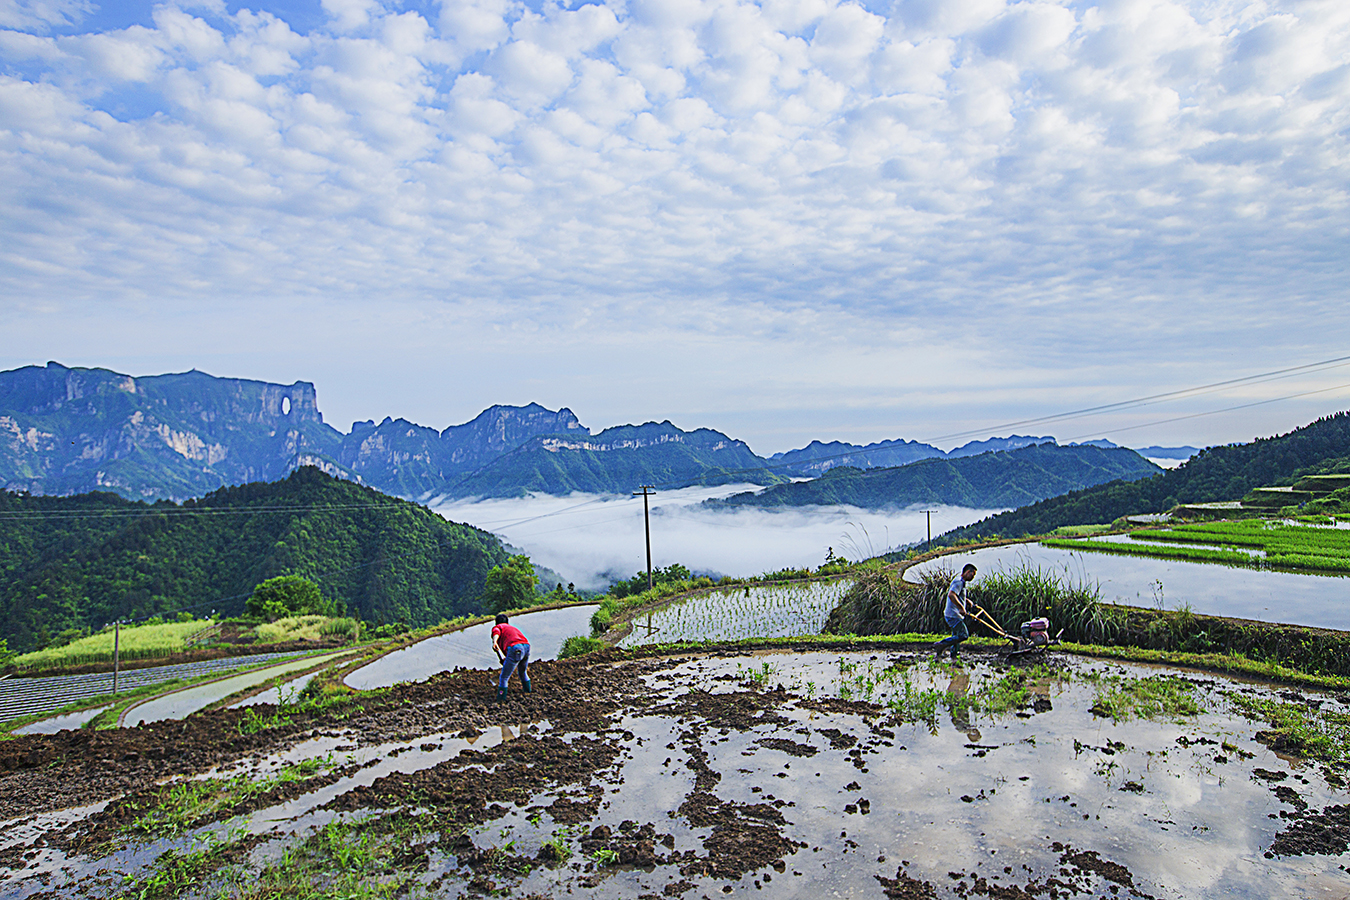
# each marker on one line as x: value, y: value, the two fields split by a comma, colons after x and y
x: 955, y: 612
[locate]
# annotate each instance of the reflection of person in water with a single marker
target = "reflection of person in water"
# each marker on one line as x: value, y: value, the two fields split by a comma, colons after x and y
x: 958, y: 689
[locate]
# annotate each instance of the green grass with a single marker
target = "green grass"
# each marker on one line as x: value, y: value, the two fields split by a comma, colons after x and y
x: 307, y: 628
x: 367, y: 859
x: 579, y: 645
x: 180, y: 806
x: 1191, y: 554
x: 140, y: 642
x: 1143, y: 698
x: 1297, y: 547
x: 1295, y: 728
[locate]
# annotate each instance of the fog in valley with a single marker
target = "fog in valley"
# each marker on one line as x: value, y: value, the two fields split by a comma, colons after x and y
x: 593, y: 539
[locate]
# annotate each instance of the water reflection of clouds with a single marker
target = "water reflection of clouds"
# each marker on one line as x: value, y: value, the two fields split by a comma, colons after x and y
x: 1208, y: 588
x: 589, y: 538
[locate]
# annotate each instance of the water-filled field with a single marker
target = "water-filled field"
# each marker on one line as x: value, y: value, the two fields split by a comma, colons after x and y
x: 864, y: 774
x: 472, y: 647
x: 765, y: 610
x: 1270, y: 596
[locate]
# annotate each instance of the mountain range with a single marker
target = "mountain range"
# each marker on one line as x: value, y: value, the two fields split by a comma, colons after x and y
x: 994, y: 478
x: 66, y: 430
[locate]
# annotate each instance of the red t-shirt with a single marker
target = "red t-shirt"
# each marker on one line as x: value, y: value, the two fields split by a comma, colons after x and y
x: 507, y: 636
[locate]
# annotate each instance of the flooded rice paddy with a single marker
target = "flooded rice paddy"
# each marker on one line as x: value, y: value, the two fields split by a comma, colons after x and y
x: 761, y: 611
x: 817, y: 774
x: 471, y: 647
x: 1210, y: 589
x: 183, y: 703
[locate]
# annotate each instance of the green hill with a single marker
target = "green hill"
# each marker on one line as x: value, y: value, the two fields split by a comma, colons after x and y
x: 81, y: 561
x: 1215, y: 474
x: 993, y: 479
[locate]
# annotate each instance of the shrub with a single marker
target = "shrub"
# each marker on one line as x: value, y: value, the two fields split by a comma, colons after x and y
x: 577, y: 645
x: 290, y: 595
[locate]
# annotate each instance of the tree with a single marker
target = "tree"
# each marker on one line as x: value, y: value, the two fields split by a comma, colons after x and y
x: 289, y: 595
x: 510, y: 586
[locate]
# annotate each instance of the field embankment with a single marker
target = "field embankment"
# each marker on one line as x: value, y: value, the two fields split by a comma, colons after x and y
x: 885, y: 603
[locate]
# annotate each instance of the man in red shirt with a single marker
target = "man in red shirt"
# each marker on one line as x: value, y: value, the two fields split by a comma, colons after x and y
x: 513, y: 649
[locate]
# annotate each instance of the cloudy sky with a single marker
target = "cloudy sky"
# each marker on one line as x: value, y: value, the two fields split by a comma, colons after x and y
x: 787, y: 220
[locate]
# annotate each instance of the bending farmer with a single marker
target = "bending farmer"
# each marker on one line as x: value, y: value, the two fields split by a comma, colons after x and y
x: 955, y: 613
x: 513, y: 649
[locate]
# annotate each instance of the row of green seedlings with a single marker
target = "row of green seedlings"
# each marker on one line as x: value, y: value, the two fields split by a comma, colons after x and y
x: 323, y: 694
x: 759, y: 612
x: 359, y: 858
x: 373, y: 858
x: 612, y: 606
x: 895, y: 686
x: 184, y: 805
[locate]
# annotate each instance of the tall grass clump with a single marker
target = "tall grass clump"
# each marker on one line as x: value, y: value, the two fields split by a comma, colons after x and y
x: 884, y: 603
x: 306, y: 628
x: 1028, y: 592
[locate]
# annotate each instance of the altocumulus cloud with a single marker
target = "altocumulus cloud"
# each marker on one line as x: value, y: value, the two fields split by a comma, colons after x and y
x: 789, y: 170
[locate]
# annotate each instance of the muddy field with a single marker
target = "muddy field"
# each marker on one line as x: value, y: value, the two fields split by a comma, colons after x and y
x: 820, y: 774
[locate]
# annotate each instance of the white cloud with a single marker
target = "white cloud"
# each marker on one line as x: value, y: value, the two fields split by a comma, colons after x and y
x: 778, y: 189
x: 42, y: 14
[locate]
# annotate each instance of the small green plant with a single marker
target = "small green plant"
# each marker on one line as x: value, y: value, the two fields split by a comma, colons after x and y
x: 605, y: 856
x: 557, y: 848
x: 1145, y: 698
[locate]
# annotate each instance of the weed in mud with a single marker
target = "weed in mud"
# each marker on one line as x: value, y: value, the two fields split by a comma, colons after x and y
x: 175, y: 873
x: 1122, y: 699
x: 755, y: 678
x: 352, y: 860
x: 605, y: 856
x: 557, y: 849
x: 1295, y: 728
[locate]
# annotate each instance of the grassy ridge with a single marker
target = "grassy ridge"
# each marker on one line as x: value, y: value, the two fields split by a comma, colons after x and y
x: 1217, y: 473
x: 1194, y: 554
x: 1295, y: 547
x: 141, y: 642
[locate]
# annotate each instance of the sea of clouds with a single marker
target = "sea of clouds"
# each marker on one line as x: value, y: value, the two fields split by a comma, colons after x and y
x: 593, y: 539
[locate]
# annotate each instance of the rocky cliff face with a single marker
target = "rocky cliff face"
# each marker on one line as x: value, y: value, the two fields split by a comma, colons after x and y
x: 66, y: 430
x: 69, y: 430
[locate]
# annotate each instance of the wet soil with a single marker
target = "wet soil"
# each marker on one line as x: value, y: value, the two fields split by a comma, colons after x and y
x: 720, y: 753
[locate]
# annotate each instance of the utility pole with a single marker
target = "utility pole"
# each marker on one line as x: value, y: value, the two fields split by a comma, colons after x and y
x: 928, y: 514
x: 647, y: 524
x: 117, y: 639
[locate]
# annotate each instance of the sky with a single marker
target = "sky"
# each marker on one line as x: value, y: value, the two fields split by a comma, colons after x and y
x: 786, y: 220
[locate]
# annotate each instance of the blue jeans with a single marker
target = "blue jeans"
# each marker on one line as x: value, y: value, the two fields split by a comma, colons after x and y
x: 516, y: 655
x: 959, y: 634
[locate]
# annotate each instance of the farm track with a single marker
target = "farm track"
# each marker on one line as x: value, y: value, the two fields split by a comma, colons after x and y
x: 32, y: 696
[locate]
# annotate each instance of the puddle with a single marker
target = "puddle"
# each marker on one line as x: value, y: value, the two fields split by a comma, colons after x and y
x: 181, y: 704
x: 61, y: 723
x: 1314, y: 600
x: 471, y: 647
x: 762, y: 611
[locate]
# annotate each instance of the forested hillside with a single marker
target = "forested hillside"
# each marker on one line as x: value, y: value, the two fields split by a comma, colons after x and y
x: 994, y: 479
x: 1215, y: 474
x: 81, y: 561
x: 618, y: 459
